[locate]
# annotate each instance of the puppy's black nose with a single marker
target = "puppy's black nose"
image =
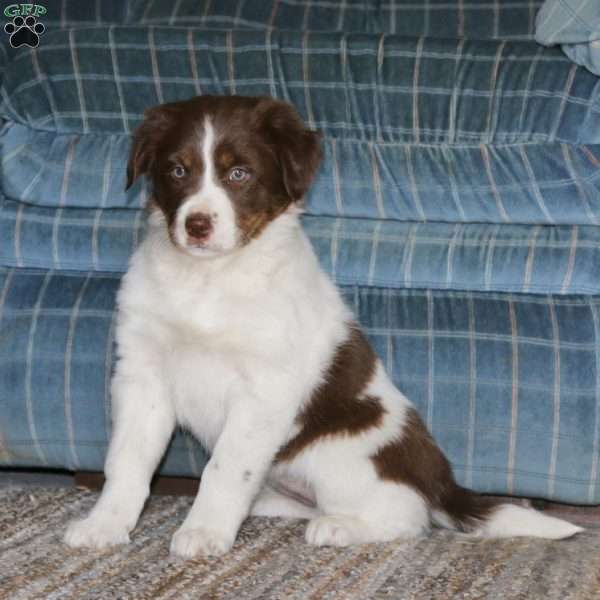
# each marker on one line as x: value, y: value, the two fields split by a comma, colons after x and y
x: 198, y: 226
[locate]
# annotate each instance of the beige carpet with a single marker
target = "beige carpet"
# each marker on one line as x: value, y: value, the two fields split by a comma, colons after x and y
x: 271, y: 560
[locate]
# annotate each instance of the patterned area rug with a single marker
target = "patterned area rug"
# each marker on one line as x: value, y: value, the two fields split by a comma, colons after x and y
x: 271, y: 560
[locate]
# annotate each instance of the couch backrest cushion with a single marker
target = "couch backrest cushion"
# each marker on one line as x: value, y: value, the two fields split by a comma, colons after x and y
x: 437, y: 18
x: 384, y: 89
x: 440, y: 18
x: 414, y: 129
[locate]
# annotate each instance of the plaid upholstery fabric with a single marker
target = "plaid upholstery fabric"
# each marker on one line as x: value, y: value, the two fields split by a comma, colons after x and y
x: 414, y: 129
x: 524, y: 183
x: 448, y: 164
x: 481, y: 19
x: 442, y: 91
x: 576, y: 25
x: 384, y: 253
x: 507, y: 384
x: 438, y: 18
x: 62, y: 14
x: 56, y: 356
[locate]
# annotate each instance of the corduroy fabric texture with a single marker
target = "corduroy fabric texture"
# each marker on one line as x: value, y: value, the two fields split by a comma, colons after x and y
x: 507, y: 384
x: 385, y: 253
x: 438, y: 18
x: 414, y: 141
x: 548, y: 183
x: 457, y: 207
x: 414, y: 129
x: 484, y: 19
x: 575, y: 24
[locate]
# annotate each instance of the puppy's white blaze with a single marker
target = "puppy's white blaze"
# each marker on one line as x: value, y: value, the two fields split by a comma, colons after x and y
x: 212, y: 200
x: 509, y: 520
x: 208, y: 147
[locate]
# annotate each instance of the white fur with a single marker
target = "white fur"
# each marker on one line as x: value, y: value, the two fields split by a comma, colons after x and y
x: 231, y: 348
x: 511, y: 521
x: 215, y: 346
x: 212, y: 200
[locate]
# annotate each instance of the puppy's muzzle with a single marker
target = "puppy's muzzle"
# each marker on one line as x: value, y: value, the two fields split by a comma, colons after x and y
x: 198, y: 227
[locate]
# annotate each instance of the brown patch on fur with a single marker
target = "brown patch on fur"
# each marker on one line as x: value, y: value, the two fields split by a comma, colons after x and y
x: 264, y: 136
x: 251, y: 225
x: 224, y: 159
x: 415, y: 459
x: 337, y: 407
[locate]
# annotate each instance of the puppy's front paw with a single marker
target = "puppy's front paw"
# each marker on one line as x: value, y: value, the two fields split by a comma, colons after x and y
x: 190, y: 542
x: 95, y: 533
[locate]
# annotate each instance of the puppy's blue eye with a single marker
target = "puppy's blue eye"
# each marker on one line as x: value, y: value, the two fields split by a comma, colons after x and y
x: 238, y: 175
x: 178, y: 172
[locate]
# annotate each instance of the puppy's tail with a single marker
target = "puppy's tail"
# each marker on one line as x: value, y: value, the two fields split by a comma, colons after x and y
x: 424, y: 466
x: 477, y: 515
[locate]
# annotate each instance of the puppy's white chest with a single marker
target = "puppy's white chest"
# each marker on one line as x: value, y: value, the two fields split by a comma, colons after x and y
x: 200, y: 313
x: 212, y: 331
x: 198, y: 305
x: 201, y: 387
x: 193, y: 312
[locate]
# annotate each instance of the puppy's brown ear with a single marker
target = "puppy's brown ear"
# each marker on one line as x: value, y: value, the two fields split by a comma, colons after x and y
x: 298, y: 149
x: 146, y: 139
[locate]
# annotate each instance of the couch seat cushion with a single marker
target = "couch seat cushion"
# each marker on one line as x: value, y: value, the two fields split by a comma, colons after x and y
x: 475, y: 256
x: 507, y: 384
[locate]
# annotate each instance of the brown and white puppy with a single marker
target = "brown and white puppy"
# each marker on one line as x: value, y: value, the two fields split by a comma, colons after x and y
x: 228, y: 326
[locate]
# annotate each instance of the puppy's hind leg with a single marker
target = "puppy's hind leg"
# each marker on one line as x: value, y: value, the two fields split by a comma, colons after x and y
x: 362, y: 509
x: 273, y: 503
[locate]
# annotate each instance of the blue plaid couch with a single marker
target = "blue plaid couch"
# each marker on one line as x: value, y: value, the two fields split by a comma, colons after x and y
x: 457, y: 207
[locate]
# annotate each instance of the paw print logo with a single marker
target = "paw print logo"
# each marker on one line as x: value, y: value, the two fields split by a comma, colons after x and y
x: 24, y: 32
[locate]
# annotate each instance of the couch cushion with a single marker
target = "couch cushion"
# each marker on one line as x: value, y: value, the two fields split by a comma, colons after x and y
x: 413, y: 129
x: 439, y: 18
x: 47, y: 169
x: 62, y: 15
x: 508, y: 385
x: 351, y: 86
x: 56, y: 357
x: 386, y: 253
x: 575, y: 24
x: 528, y: 183
x: 468, y: 18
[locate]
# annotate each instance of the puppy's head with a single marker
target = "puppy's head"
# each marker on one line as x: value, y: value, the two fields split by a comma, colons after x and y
x: 223, y: 168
